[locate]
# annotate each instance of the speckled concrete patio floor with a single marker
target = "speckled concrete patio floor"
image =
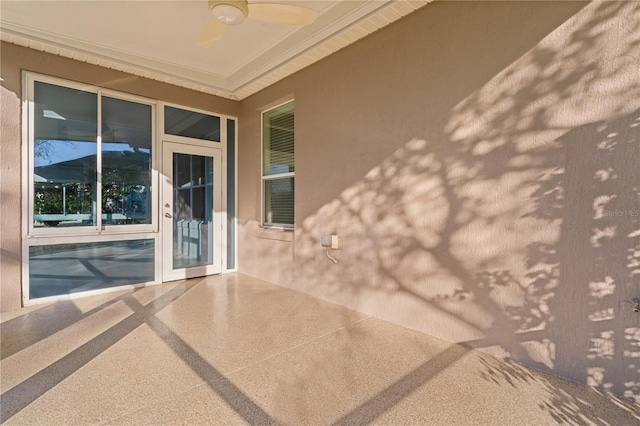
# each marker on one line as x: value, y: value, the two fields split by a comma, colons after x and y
x: 232, y: 349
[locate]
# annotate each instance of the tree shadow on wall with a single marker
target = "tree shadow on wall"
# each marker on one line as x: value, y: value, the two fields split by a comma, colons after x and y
x: 515, y: 229
x: 599, y: 257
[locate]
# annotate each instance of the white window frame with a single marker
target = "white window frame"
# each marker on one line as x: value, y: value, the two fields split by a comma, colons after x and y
x: 98, y: 228
x: 264, y: 178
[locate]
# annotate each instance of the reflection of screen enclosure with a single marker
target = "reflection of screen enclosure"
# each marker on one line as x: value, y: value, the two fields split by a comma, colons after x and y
x: 66, y: 159
x: 71, y: 268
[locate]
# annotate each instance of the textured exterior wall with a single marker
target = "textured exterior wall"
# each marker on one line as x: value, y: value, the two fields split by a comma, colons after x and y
x: 10, y: 198
x: 15, y: 59
x: 480, y: 162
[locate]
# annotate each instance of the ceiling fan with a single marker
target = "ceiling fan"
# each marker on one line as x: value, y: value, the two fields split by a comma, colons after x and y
x: 234, y: 12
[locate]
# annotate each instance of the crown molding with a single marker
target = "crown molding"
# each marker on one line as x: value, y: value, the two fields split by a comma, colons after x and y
x: 115, y: 59
x: 338, y: 26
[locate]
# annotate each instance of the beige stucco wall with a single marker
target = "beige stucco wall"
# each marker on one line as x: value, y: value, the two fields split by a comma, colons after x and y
x: 15, y: 59
x: 481, y: 165
x: 10, y: 198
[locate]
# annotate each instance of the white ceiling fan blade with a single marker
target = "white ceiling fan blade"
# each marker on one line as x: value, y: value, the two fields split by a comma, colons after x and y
x: 211, y: 33
x: 279, y: 13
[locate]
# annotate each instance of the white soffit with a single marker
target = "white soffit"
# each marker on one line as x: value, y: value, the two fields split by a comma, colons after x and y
x: 161, y: 44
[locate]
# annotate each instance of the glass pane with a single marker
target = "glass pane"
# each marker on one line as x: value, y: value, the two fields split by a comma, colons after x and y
x: 278, y: 143
x: 71, y: 268
x: 182, y: 204
x: 181, y: 171
x: 180, y: 122
x: 65, y: 151
x: 278, y: 198
x: 231, y: 194
x: 192, y: 211
x: 126, y: 162
x: 199, y: 175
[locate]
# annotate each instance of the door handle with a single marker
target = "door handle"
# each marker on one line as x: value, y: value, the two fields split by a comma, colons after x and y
x: 168, y: 215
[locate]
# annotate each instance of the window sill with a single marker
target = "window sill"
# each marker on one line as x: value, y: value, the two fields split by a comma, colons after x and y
x: 275, y: 234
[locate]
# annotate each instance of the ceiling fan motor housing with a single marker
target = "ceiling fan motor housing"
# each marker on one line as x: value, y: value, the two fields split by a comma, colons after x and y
x: 227, y: 11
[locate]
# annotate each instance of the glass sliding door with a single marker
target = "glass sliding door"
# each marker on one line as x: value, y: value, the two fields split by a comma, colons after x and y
x: 191, y: 211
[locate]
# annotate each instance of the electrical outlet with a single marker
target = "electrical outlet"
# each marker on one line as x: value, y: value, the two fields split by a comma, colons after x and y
x: 334, y: 242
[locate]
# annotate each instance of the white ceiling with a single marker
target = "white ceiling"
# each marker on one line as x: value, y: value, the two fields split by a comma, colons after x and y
x: 157, y: 39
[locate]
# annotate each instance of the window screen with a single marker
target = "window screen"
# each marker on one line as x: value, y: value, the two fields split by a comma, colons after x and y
x: 278, y: 166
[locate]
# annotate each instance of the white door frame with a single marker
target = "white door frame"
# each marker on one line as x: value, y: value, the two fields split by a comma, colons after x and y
x: 166, y: 211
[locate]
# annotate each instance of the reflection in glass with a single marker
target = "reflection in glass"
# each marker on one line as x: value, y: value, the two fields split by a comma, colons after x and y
x: 192, y: 211
x: 231, y: 194
x: 181, y: 122
x: 71, y: 268
x: 279, y: 197
x: 126, y: 162
x: 65, y: 148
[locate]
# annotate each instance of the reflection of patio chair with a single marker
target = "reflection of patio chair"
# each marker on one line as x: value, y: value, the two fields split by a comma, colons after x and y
x: 135, y: 203
x: 193, y: 240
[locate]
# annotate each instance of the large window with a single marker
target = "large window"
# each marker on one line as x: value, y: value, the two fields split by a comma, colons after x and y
x: 90, y: 193
x: 278, y: 166
x: 91, y: 153
x: 60, y: 269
